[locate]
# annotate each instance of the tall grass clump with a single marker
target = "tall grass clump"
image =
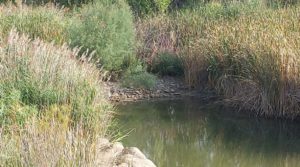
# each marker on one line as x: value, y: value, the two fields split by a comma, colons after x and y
x: 107, y: 28
x: 253, y: 61
x: 247, y: 52
x: 48, y: 23
x: 167, y: 32
x: 52, y: 109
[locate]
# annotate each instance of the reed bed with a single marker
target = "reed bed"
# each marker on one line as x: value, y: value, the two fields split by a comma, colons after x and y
x: 253, y: 61
x: 251, y: 57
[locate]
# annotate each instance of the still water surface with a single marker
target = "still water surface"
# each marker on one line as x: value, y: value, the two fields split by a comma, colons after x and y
x: 186, y: 133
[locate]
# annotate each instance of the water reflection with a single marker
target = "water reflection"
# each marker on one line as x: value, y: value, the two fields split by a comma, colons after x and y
x: 185, y: 133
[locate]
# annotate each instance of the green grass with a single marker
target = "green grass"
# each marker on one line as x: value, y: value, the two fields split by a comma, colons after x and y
x: 138, y: 77
x: 47, y: 23
x: 166, y: 64
x: 45, y: 90
x: 143, y: 80
x: 148, y: 7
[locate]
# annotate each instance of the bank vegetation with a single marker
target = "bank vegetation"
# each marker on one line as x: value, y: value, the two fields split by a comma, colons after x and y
x: 54, y: 56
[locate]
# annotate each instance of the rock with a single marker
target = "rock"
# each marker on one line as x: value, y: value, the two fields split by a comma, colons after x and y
x: 102, y: 142
x: 118, y: 147
x: 122, y: 165
x: 133, y: 161
x: 115, y: 155
x: 134, y: 151
x: 114, y: 150
x: 164, y: 88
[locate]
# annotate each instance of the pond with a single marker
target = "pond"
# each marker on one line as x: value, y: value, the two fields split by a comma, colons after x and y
x: 188, y: 133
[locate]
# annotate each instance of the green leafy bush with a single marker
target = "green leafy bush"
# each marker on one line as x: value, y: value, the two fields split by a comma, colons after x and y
x: 167, y: 64
x: 149, y: 6
x: 142, y: 7
x: 106, y: 27
x: 162, y: 5
x: 185, y: 3
x: 138, y: 78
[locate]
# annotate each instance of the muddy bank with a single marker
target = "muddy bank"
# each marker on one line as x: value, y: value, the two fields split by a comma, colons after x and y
x: 166, y: 87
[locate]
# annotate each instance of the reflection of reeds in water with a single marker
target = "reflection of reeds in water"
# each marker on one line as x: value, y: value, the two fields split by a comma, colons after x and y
x: 204, y: 137
x: 214, y: 150
x: 160, y: 152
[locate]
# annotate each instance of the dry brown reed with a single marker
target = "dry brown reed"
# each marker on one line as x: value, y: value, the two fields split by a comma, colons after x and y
x: 251, y: 59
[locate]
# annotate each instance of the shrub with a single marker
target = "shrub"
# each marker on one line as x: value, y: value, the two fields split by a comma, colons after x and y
x: 167, y: 64
x: 142, y: 7
x: 138, y: 78
x: 145, y: 7
x: 186, y: 3
x: 106, y: 27
x: 162, y: 5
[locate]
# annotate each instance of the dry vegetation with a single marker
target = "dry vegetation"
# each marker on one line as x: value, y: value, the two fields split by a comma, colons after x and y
x: 247, y: 52
x: 250, y: 55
